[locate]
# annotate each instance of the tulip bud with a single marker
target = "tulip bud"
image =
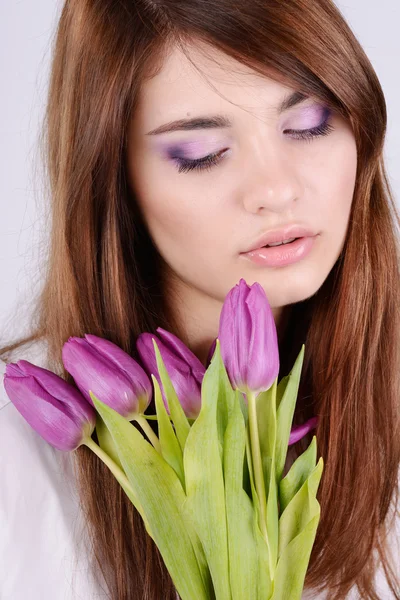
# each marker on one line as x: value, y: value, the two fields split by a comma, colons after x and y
x: 248, y: 339
x: 52, y: 407
x: 113, y: 376
x: 185, y: 370
x: 297, y: 433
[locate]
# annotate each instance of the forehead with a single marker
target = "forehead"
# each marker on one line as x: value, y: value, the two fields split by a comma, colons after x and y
x: 217, y: 81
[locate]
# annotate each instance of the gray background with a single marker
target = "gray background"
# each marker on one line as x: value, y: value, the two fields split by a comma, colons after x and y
x: 25, y: 31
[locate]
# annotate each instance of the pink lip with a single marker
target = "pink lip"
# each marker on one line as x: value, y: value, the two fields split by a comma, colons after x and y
x: 280, y: 256
x: 280, y: 235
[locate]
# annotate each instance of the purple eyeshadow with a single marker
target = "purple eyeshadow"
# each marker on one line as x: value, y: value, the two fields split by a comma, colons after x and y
x: 189, y: 150
x: 308, y: 118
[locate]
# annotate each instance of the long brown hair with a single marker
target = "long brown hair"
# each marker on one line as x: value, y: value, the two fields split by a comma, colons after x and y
x: 104, y: 276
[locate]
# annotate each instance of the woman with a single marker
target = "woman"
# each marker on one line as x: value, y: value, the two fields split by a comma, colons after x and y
x: 153, y: 217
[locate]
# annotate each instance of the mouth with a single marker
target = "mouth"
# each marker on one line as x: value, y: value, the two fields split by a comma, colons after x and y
x: 280, y: 237
x: 285, y: 243
x: 281, y: 254
x: 272, y: 245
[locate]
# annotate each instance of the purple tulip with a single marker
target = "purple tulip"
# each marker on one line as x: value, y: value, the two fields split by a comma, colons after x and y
x: 248, y: 338
x: 113, y: 376
x: 52, y: 407
x: 297, y: 433
x: 185, y: 370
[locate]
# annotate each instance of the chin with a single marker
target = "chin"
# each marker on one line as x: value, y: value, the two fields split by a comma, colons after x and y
x: 291, y: 291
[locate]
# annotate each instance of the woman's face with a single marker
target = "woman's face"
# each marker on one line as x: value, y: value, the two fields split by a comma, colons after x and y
x: 202, y: 220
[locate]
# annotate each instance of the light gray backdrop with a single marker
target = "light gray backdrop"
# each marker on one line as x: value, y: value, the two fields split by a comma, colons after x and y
x: 25, y: 31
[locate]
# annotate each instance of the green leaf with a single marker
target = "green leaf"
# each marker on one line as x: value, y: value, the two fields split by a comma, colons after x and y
x: 161, y: 495
x: 242, y: 547
x: 266, y: 421
x: 267, y: 425
x: 181, y: 423
x: 297, y: 530
x: 106, y: 441
x: 265, y: 583
x: 281, y: 390
x: 301, y: 509
x: 245, y: 412
x: 114, y: 464
x: 170, y: 448
x: 284, y: 414
x: 297, y: 474
x: 205, y: 482
x: 292, y: 565
x: 273, y: 518
x: 227, y: 397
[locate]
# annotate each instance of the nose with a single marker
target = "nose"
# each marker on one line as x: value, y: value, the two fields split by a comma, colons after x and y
x: 271, y: 181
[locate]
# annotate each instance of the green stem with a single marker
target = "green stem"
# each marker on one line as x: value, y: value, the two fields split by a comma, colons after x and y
x: 107, y: 460
x: 149, y: 432
x: 257, y: 463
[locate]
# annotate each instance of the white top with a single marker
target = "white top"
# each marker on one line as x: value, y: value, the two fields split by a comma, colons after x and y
x: 43, y: 551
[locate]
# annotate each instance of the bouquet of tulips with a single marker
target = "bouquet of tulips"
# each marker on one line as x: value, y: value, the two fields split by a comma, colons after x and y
x: 209, y: 485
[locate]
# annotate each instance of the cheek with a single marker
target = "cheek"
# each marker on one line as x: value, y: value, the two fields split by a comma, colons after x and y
x: 164, y: 205
x: 344, y: 188
x: 179, y: 218
x: 183, y: 220
x: 335, y: 179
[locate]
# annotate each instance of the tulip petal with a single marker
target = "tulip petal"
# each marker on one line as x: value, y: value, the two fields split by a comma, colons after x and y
x: 122, y: 360
x: 186, y: 383
x: 178, y: 348
x: 60, y: 389
x: 49, y: 417
x: 297, y: 433
x: 248, y: 338
x: 244, y: 332
x: 92, y: 371
x: 263, y: 355
x: 227, y: 335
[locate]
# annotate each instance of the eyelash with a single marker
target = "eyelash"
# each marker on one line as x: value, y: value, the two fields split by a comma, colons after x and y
x: 207, y: 162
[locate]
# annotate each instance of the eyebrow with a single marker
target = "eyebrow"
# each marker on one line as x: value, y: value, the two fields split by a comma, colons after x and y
x: 221, y: 121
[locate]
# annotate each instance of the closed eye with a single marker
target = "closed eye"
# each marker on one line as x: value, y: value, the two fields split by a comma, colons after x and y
x: 208, y: 162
